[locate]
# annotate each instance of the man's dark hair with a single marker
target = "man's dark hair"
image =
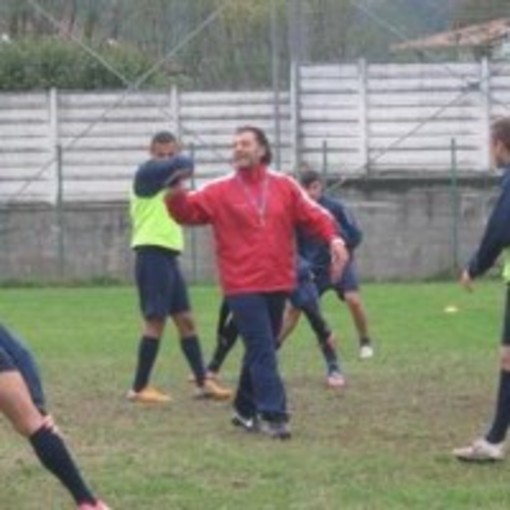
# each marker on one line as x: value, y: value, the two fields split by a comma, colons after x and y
x: 309, y: 177
x: 261, y: 138
x: 500, y: 130
x: 163, y: 137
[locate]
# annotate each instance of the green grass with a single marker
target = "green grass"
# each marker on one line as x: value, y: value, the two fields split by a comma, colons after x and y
x: 384, y: 444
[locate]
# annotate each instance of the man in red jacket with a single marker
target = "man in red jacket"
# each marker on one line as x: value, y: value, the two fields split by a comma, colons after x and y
x: 254, y: 213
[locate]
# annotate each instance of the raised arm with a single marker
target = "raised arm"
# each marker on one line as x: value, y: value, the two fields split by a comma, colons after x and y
x: 495, y: 238
x: 188, y: 208
x: 351, y: 231
x: 314, y: 219
x: 318, y: 222
x: 154, y: 175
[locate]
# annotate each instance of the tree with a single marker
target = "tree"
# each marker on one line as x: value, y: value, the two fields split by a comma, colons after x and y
x: 467, y: 12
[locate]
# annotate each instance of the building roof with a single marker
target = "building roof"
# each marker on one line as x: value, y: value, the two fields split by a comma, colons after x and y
x: 472, y: 36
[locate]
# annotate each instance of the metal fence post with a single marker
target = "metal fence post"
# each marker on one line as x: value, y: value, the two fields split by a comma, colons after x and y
x: 295, y: 112
x: 275, y: 72
x: 485, y: 113
x: 325, y: 163
x: 454, y: 203
x: 193, y: 231
x: 59, y: 215
x: 176, y: 113
x: 56, y: 181
x: 53, y: 145
x: 296, y: 52
x: 363, y: 116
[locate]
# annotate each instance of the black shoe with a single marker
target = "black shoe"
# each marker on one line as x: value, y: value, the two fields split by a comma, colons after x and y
x: 250, y: 424
x: 275, y: 429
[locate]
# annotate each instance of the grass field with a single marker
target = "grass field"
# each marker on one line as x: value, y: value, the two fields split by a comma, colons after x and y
x: 384, y: 444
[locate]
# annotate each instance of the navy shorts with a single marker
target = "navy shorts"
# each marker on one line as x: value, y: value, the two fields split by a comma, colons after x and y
x: 162, y: 290
x: 348, y: 282
x: 505, y: 334
x: 6, y: 363
x: 305, y: 294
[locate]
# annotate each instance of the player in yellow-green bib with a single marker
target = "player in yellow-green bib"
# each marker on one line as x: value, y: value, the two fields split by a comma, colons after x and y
x: 157, y: 241
x: 495, y: 241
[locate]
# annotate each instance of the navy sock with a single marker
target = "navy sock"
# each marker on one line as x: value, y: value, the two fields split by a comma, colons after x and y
x: 55, y: 457
x: 226, y: 340
x: 365, y: 341
x: 324, y: 337
x: 191, y: 348
x: 330, y: 355
x: 499, y: 427
x: 147, y: 352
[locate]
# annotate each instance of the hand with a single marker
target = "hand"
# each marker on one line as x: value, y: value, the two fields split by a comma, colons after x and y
x: 177, y: 178
x: 339, y: 258
x: 175, y: 185
x: 466, y: 281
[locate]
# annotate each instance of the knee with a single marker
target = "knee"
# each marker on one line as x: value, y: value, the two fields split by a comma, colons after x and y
x: 26, y: 426
x: 293, y: 314
x: 504, y: 358
x: 154, y: 328
x: 185, y: 324
x: 353, y: 299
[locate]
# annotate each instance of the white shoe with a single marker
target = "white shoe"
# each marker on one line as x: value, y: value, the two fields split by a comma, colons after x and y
x: 480, y: 451
x: 366, y: 352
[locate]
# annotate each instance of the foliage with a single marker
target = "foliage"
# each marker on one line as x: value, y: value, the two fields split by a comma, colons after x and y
x: 237, y: 49
x: 45, y: 62
x: 467, y: 12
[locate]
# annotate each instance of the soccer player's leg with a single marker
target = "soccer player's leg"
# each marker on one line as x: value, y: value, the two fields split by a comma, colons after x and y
x: 490, y: 447
x: 184, y: 321
x: 260, y: 392
x: 226, y: 337
x: 25, y: 363
x: 291, y: 316
x: 347, y: 290
x: 15, y: 400
x: 307, y: 301
x: 152, y: 273
x: 17, y: 405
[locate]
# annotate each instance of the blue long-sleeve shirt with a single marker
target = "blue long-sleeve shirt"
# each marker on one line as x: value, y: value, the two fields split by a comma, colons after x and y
x: 155, y: 174
x: 317, y: 253
x: 497, y: 232
x: 349, y: 228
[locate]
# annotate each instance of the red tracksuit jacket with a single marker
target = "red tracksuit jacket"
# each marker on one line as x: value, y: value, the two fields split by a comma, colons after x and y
x: 254, y: 214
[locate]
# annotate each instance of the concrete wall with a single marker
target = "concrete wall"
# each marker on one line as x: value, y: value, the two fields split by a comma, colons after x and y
x: 418, y: 229
x: 409, y: 226
x: 354, y: 119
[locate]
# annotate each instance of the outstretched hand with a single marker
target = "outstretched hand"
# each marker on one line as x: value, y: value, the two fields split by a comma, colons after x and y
x: 339, y: 258
x: 175, y: 181
x: 466, y: 281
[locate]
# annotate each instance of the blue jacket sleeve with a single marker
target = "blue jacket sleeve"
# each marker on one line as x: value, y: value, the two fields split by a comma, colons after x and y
x: 349, y: 227
x: 153, y: 175
x: 496, y: 236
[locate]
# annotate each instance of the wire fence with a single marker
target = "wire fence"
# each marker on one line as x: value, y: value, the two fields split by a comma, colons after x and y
x: 323, y: 107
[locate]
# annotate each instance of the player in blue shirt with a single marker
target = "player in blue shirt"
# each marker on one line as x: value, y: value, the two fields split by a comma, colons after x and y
x: 347, y: 288
x: 495, y: 242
